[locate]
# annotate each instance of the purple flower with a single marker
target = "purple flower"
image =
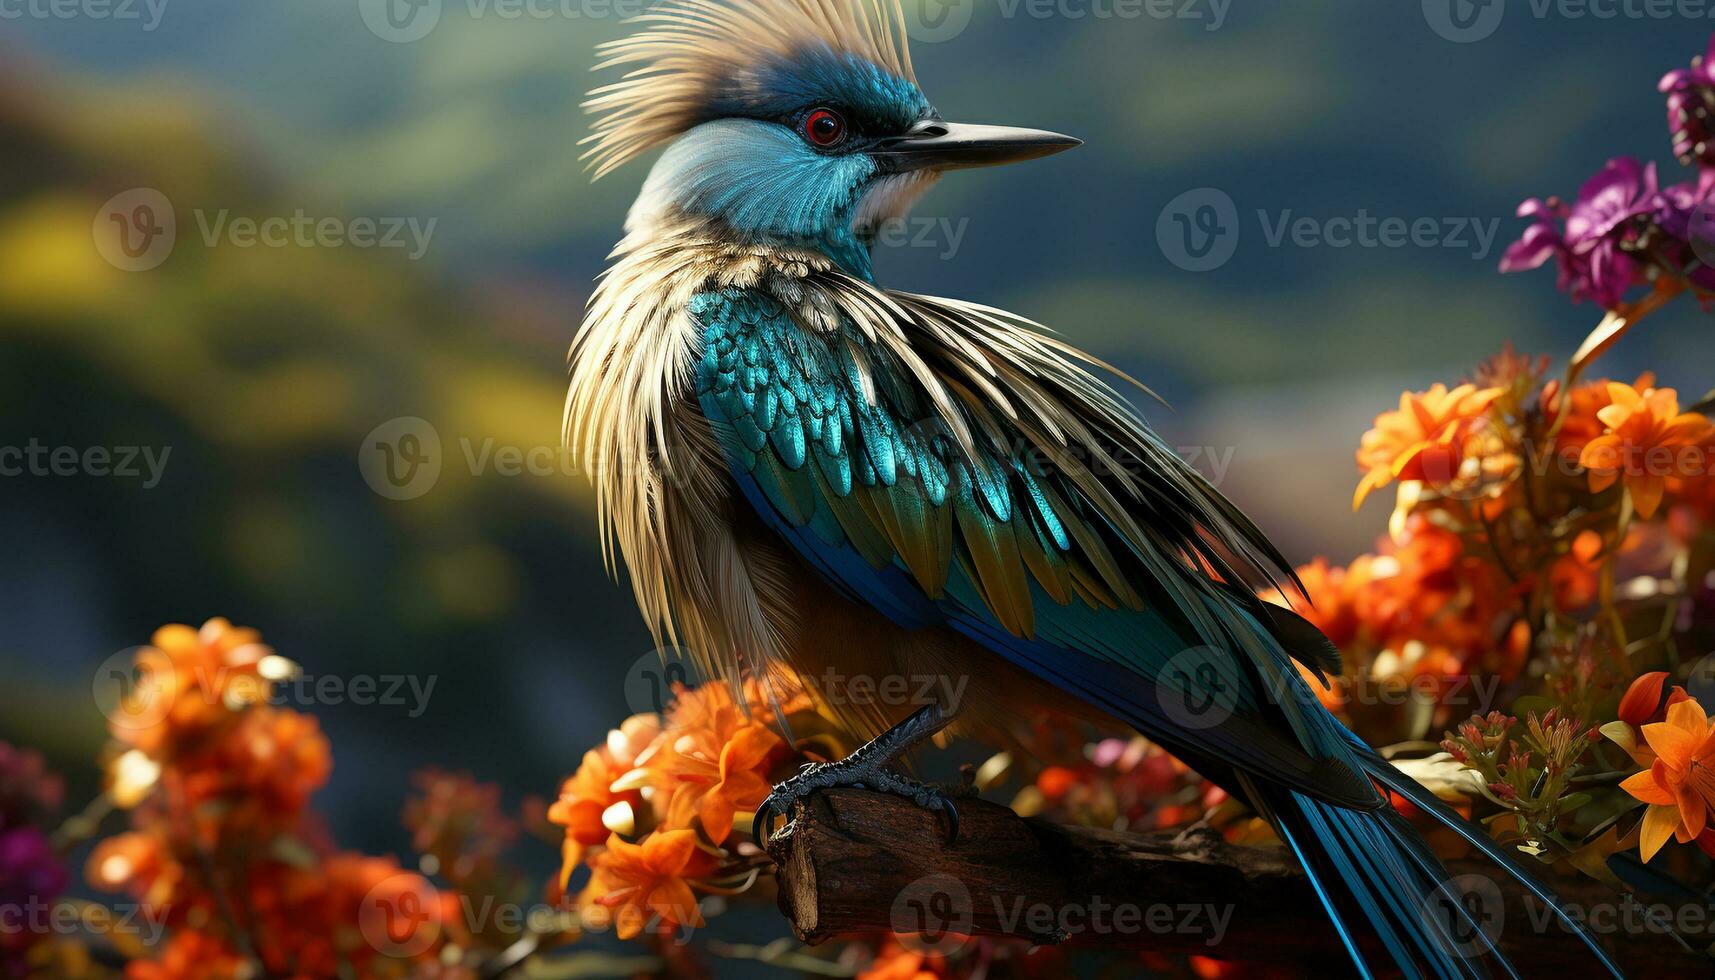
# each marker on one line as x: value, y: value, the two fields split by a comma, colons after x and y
x: 1589, y: 239
x: 1686, y: 209
x: 1620, y: 191
x: 1622, y: 231
x: 31, y: 878
x: 1690, y: 101
x: 1541, y: 241
x: 1684, y: 230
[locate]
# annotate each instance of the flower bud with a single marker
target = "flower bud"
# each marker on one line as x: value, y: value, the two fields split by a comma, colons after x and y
x: 1642, y: 698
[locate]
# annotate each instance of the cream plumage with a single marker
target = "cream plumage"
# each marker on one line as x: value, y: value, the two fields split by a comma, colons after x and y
x: 693, y: 54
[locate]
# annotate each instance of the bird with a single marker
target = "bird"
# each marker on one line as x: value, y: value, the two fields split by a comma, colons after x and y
x: 801, y: 469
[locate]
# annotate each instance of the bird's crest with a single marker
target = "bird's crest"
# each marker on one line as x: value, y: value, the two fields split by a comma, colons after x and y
x: 693, y: 56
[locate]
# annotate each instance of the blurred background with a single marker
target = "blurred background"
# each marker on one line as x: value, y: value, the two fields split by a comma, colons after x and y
x: 437, y: 238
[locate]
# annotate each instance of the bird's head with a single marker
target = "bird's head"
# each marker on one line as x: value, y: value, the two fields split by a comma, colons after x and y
x: 796, y: 122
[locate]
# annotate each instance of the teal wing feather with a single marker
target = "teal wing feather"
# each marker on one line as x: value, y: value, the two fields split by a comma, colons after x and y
x: 849, y: 462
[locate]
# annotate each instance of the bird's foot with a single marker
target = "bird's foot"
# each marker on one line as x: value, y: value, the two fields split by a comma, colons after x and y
x: 828, y: 775
x: 867, y: 768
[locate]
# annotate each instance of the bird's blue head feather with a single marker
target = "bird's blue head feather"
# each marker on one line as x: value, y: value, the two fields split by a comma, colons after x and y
x: 791, y: 122
x: 755, y: 167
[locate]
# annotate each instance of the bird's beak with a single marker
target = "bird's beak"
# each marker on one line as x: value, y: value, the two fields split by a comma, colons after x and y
x: 935, y: 145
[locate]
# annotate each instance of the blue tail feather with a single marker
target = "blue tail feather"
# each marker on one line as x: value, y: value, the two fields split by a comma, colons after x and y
x: 1381, y: 868
x: 1427, y: 802
x: 1375, y: 878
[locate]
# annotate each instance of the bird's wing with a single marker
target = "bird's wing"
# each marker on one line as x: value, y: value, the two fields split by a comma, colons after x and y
x: 949, y: 467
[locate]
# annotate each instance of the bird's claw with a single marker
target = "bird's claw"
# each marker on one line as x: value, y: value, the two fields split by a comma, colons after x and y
x: 866, y: 768
x: 952, y: 812
x: 762, y: 822
x: 828, y: 775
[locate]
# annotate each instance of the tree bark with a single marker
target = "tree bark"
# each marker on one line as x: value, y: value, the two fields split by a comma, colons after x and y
x: 853, y: 861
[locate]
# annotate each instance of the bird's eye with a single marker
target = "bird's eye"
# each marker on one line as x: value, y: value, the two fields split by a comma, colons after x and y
x: 824, y: 128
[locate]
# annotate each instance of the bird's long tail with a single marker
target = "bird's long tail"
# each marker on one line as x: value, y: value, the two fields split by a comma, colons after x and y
x: 1372, y: 869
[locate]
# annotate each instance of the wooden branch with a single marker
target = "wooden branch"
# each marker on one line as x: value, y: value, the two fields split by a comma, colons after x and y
x: 853, y: 861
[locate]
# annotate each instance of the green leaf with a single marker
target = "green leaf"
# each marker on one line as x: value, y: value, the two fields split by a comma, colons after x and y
x: 291, y: 851
x: 590, y: 966
x: 1706, y: 405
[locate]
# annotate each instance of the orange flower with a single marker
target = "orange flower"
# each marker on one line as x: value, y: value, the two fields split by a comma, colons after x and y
x: 1574, y: 577
x: 1680, y: 786
x: 1641, y: 705
x: 279, y: 758
x: 1581, y: 424
x: 262, y: 771
x: 371, y: 907
x: 1696, y: 496
x: 1436, y: 610
x: 1648, y: 440
x: 190, y: 955
x: 137, y: 863
x: 591, y: 792
x: 894, y: 962
x: 717, y: 761
x: 742, y: 785
x: 1426, y: 440
x: 459, y: 821
x: 1055, y: 782
x: 584, y: 799
x: 636, y: 881
x: 721, y: 771
x: 188, y: 681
